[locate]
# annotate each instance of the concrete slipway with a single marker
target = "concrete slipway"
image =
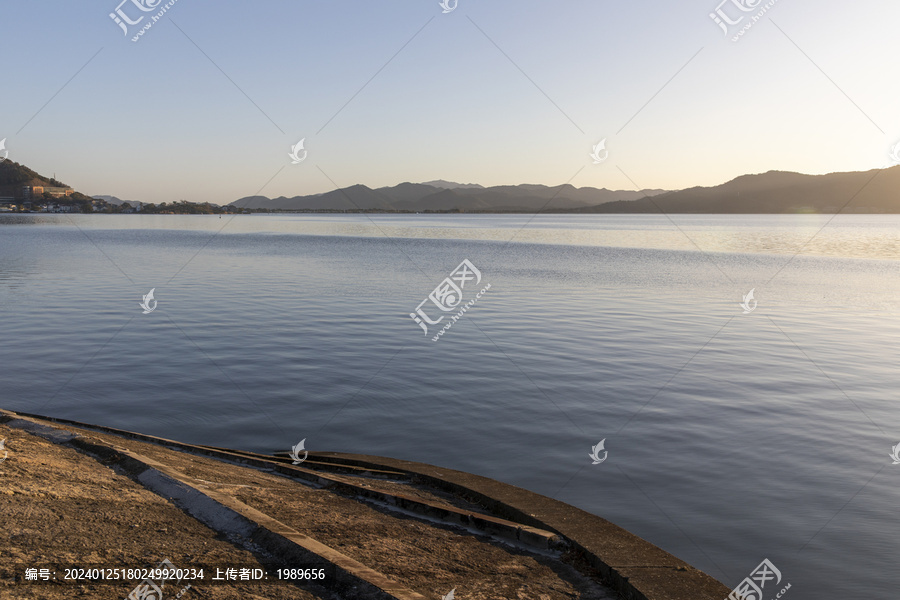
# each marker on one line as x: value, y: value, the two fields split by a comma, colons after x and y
x: 78, y: 495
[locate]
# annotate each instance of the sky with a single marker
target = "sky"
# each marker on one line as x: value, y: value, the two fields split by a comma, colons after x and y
x: 209, y: 101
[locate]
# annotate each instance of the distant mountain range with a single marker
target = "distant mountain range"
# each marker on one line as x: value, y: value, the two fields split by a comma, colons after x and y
x: 875, y: 191
x: 116, y: 201
x: 445, y: 196
x: 450, y: 185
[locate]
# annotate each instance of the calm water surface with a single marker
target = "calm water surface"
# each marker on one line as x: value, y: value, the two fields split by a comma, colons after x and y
x: 732, y: 437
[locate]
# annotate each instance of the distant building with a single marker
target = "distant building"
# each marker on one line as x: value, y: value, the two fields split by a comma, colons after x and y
x: 30, y: 191
x: 60, y: 208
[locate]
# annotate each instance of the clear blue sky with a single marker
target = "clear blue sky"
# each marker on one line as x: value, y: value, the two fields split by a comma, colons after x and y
x: 157, y: 120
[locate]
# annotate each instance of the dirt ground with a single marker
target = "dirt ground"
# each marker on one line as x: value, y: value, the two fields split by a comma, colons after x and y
x: 63, y: 508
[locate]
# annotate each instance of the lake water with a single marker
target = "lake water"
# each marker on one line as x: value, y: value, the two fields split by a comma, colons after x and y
x: 731, y: 437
